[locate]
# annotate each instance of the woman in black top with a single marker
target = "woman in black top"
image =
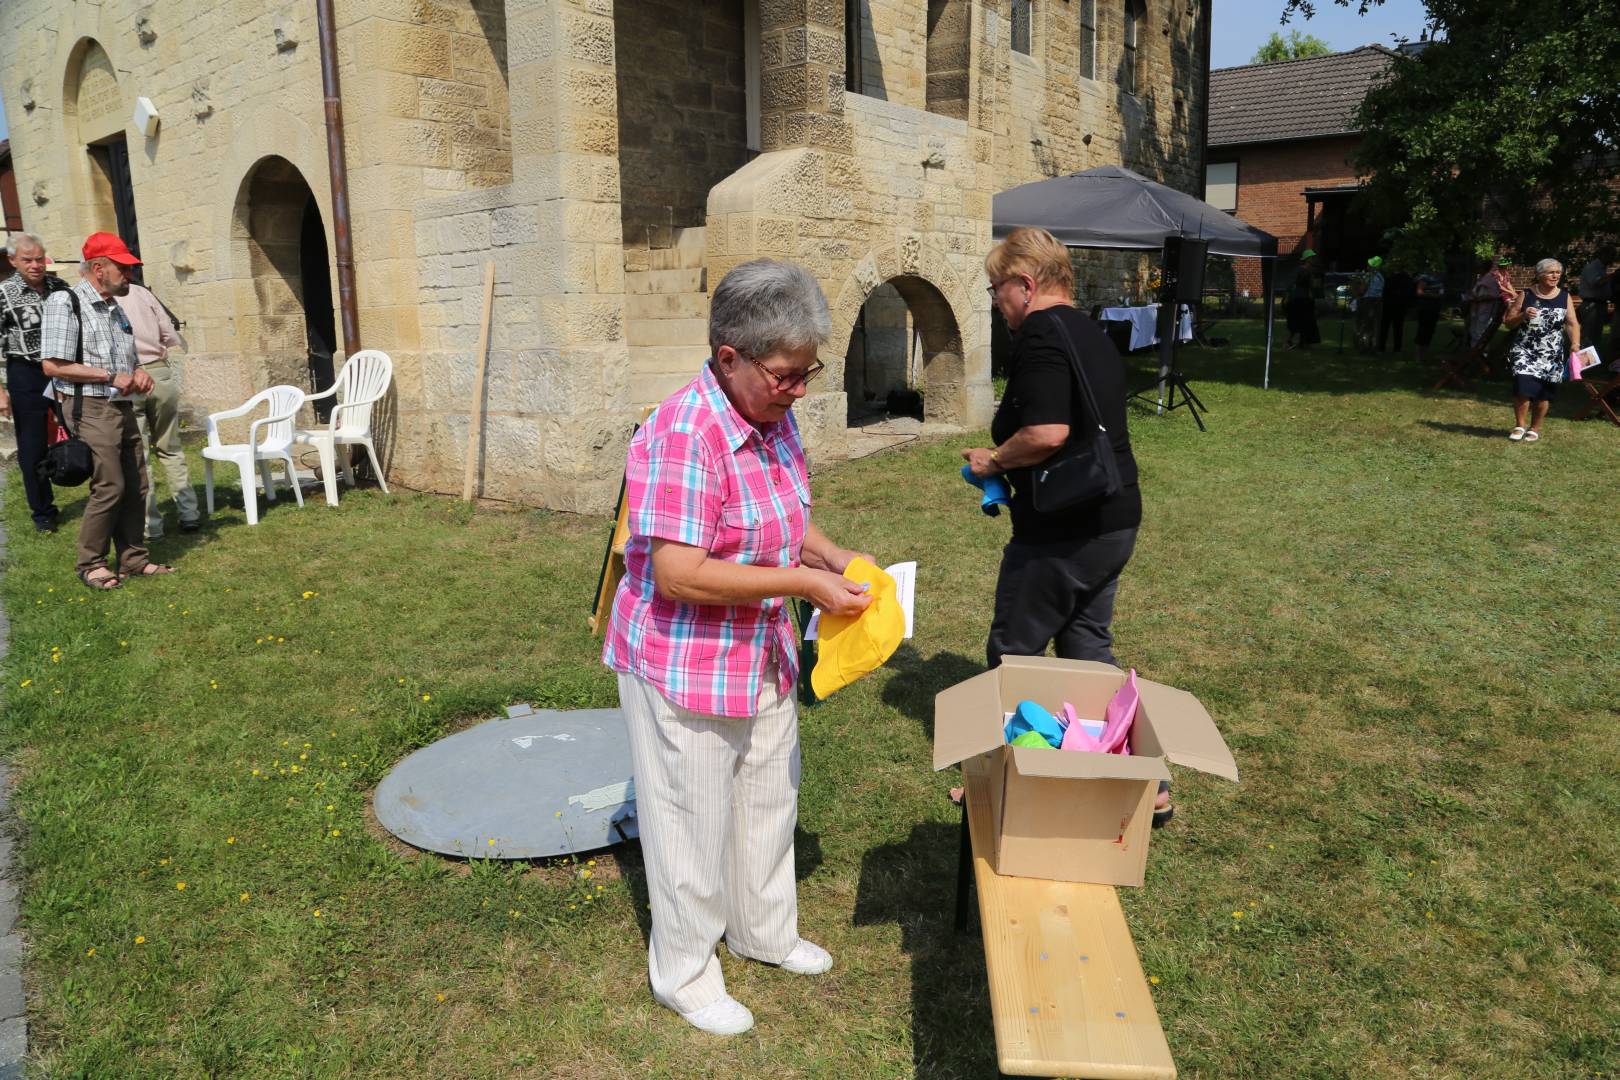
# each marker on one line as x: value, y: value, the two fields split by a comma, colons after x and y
x: 1060, y: 571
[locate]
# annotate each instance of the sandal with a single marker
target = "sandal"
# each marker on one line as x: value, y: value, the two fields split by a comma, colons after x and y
x: 1516, y: 434
x: 1532, y: 436
x: 150, y: 569
x: 100, y: 583
x: 1162, y: 815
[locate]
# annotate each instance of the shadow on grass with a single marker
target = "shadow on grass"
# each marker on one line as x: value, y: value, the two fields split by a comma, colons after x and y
x: 1476, y: 430
x: 807, y: 858
x: 916, y: 680
x: 913, y: 884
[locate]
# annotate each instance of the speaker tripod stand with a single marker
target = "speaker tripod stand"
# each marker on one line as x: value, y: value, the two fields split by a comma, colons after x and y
x: 1170, y: 380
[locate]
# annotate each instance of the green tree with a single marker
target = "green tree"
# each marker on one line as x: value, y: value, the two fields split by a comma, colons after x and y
x: 1295, y: 46
x: 1505, y: 129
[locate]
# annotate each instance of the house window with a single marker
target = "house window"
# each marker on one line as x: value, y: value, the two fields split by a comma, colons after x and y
x: 1022, y: 32
x: 1088, y: 39
x: 853, y: 31
x: 1220, y: 185
x: 1134, y: 14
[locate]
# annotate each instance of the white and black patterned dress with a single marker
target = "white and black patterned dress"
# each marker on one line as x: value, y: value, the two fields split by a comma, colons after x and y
x: 1538, y: 346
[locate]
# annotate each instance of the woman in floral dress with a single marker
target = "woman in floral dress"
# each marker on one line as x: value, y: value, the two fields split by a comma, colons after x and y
x: 1539, y: 357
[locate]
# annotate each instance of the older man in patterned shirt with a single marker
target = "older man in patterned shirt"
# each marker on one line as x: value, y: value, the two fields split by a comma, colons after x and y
x: 22, y: 300
x: 88, y: 348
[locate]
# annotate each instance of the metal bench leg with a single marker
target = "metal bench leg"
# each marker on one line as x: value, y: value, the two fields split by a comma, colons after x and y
x: 964, y: 872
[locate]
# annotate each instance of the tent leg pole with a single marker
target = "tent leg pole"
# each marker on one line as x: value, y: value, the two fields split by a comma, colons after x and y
x: 1271, y: 318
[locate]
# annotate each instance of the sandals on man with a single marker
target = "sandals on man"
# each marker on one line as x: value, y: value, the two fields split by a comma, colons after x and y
x: 1532, y: 436
x: 101, y: 579
x: 1517, y: 434
x: 150, y: 569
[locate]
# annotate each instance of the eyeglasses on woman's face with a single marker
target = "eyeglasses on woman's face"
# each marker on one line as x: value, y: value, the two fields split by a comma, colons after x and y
x: 786, y: 384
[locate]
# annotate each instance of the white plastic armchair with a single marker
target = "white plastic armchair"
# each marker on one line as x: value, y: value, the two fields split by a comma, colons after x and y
x: 361, y: 383
x: 270, y: 438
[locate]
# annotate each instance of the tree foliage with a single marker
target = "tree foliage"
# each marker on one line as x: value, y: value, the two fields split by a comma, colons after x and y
x: 1503, y: 130
x: 1296, y: 46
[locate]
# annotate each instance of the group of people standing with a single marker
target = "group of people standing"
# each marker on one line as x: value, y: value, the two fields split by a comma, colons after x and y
x: 721, y: 538
x: 95, y: 353
x: 1382, y: 305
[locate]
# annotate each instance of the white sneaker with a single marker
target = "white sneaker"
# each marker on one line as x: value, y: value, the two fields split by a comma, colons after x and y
x: 728, y: 1016
x: 807, y: 958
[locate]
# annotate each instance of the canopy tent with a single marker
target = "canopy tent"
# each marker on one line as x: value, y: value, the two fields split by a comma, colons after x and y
x: 1112, y: 207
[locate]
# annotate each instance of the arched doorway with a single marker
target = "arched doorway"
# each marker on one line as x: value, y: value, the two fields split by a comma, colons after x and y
x: 904, y: 360
x: 289, y: 326
x: 95, y: 112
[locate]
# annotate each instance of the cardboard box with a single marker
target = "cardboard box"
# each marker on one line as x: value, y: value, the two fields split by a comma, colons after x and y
x: 1064, y: 814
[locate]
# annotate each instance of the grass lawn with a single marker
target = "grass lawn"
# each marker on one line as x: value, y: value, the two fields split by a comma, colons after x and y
x: 1403, y: 622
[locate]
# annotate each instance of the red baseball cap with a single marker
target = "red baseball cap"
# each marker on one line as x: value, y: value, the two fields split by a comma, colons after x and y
x: 106, y: 245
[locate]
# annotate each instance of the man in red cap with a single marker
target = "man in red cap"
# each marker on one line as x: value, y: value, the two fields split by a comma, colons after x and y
x: 88, y: 348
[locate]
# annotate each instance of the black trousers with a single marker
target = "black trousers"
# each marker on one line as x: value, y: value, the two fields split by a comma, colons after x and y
x: 1392, y: 317
x: 25, y: 382
x: 1060, y: 592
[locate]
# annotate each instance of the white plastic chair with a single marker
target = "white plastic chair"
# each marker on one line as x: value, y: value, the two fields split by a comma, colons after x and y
x: 270, y: 438
x: 361, y: 383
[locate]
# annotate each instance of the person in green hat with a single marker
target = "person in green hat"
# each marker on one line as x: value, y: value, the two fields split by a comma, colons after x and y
x: 1300, y: 311
x: 1369, y: 303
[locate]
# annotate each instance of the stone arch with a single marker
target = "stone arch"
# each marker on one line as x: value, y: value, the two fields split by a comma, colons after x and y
x: 953, y: 358
x: 95, y: 110
x: 279, y: 241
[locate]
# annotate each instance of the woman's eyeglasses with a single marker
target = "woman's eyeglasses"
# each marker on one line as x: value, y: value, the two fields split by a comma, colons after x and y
x: 786, y: 384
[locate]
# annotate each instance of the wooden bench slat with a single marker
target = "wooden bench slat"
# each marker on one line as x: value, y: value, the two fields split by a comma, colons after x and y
x: 1067, y: 991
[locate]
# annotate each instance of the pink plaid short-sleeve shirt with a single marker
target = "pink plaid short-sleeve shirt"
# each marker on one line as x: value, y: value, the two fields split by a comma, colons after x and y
x: 699, y: 474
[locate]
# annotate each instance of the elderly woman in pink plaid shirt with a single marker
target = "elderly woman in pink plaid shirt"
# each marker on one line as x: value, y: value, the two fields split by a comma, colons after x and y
x: 720, y: 536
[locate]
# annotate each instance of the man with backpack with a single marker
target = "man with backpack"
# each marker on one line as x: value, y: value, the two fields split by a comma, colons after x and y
x: 88, y: 348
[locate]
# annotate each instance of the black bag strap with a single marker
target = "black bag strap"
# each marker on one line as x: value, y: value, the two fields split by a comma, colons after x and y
x: 1080, y: 373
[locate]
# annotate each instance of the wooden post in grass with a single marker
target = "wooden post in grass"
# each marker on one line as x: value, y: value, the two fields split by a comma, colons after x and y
x: 475, y: 421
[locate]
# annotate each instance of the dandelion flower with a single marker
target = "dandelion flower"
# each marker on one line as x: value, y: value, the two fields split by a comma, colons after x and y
x: 1154, y: 979
x: 230, y: 839
x: 330, y: 807
x: 1428, y: 914
x: 402, y: 682
x: 317, y: 913
x: 557, y: 814
x: 28, y: 682
x: 90, y: 951
x: 163, y: 862
x: 140, y: 939
x: 337, y: 832
x: 243, y: 898
x: 1237, y: 914
x: 295, y: 768
x: 123, y: 644
x: 180, y: 885
x: 303, y: 757
x: 427, y: 697
x: 255, y: 772
x: 438, y: 997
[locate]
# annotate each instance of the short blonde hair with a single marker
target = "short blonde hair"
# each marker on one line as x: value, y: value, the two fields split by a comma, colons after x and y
x: 1035, y: 252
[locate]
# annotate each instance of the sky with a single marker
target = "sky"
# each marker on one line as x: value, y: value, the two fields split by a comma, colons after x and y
x: 1242, y: 26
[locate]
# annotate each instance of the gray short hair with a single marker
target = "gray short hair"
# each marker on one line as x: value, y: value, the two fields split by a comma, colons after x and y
x: 765, y: 306
x: 21, y: 240
x: 1544, y: 265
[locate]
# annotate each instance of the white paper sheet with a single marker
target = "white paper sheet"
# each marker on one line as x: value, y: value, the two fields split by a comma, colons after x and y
x: 905, y: 590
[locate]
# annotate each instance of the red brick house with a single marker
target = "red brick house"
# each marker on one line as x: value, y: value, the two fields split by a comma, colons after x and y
x: 1281, y: 140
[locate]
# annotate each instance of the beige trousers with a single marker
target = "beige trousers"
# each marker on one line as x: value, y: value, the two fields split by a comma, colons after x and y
x: 716, y: 803
x: 159, y: 419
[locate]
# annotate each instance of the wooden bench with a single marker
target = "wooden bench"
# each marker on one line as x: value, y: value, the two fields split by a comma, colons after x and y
x: 1067, y: 993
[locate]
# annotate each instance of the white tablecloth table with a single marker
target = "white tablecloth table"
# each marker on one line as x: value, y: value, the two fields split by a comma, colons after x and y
x: 1145, y: 323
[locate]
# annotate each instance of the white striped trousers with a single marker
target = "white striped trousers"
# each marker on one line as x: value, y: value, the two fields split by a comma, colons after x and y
x: 717, y: 799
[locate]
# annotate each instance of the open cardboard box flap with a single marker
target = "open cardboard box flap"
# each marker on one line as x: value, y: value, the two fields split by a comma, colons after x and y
x: 1180, y: 728
x: 960, y: 728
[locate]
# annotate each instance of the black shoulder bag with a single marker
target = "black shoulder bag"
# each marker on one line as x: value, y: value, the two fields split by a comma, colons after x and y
x: 1084, y: 469
x: 70, y: 462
